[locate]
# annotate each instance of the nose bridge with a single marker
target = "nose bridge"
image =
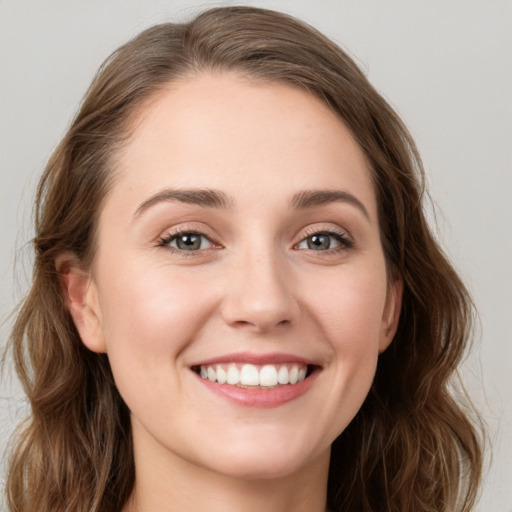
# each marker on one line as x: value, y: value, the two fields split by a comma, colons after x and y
x: 260, y: 292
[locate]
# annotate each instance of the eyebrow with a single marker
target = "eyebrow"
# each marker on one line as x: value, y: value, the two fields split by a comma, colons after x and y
x: 205, y: 197
x: 313, y: 198
x: 211, y: 198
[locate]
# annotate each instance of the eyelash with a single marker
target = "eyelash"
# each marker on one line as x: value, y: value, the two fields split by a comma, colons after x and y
x: 345, y: 243
x: 166, y: 240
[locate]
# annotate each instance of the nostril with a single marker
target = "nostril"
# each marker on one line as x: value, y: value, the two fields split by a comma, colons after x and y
x: 261, y: 323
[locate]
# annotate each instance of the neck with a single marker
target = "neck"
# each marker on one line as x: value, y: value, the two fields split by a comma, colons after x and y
x: 169, y: 483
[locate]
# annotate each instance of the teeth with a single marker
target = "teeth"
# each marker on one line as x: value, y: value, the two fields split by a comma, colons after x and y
x: 233, y: 376
x: 282, y: 376
x: 222, y: 376
x: 211, y: 374
x: 268, y: 375
x: 294, y: 375
x: 249, y: 375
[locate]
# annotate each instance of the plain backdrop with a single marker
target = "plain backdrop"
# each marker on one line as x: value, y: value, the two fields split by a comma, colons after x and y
x: 445, y: 65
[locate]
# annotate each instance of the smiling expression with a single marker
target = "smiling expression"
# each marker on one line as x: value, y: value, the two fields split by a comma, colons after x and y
x: 239, y: 287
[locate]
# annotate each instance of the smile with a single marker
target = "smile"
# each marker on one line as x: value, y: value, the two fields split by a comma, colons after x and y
x: 257, y: 380
x: 268, y: 376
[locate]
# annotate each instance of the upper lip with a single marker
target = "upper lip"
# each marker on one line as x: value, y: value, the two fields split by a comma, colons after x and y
x: 257, y: 359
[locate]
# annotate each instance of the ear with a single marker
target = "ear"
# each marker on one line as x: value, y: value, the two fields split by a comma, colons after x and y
x: 81, y: 297
x: 391, y: 313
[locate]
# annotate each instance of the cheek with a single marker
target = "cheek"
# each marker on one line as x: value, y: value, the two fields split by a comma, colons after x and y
x: 149, y: 316
x: 349, y: 305
x: 350, y: 314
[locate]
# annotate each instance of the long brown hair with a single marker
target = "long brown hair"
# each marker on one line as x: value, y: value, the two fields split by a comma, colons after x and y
x: 410, y: 448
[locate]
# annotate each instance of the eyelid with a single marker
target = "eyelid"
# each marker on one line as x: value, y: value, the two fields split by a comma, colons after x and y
x: 170, y: 234
x: 344, y: 237
x: 175, y: 239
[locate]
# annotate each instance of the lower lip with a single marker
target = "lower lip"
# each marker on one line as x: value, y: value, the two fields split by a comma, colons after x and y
x: 248, y: 397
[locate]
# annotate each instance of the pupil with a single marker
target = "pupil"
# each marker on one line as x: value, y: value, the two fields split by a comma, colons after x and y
x: 189, y: 242
x: 317, y: 242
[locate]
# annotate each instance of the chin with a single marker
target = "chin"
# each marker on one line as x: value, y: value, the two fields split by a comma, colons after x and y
x: 257, y: 468
x: 258, y: 460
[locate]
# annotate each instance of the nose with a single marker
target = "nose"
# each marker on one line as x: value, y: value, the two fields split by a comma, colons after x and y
x: 260, y: 294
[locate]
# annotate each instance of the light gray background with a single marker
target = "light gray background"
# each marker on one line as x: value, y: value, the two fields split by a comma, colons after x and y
x: 444, y: 64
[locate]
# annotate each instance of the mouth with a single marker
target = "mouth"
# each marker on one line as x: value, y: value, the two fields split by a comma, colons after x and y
x: 255, y: 376
x: 257, y: 380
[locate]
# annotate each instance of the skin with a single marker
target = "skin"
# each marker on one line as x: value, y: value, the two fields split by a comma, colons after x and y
x: 254, y: 286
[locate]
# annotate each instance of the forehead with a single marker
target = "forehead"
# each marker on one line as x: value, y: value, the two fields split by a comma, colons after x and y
x: 226, y: 132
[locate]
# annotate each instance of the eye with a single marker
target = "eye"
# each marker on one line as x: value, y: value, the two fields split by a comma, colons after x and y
x: 324, y: 241
x: 186, y: 241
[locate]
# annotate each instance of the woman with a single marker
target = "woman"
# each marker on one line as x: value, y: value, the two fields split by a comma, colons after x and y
x: 237, y: 303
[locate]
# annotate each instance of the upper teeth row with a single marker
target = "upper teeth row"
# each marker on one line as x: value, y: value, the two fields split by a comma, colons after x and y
x: 251, y: 375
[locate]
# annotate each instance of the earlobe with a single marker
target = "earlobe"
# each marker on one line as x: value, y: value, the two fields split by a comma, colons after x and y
x: 391, y: 314
x: 80, y: 295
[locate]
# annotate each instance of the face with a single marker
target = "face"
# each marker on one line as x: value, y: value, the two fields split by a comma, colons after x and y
x: 239, y: 287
